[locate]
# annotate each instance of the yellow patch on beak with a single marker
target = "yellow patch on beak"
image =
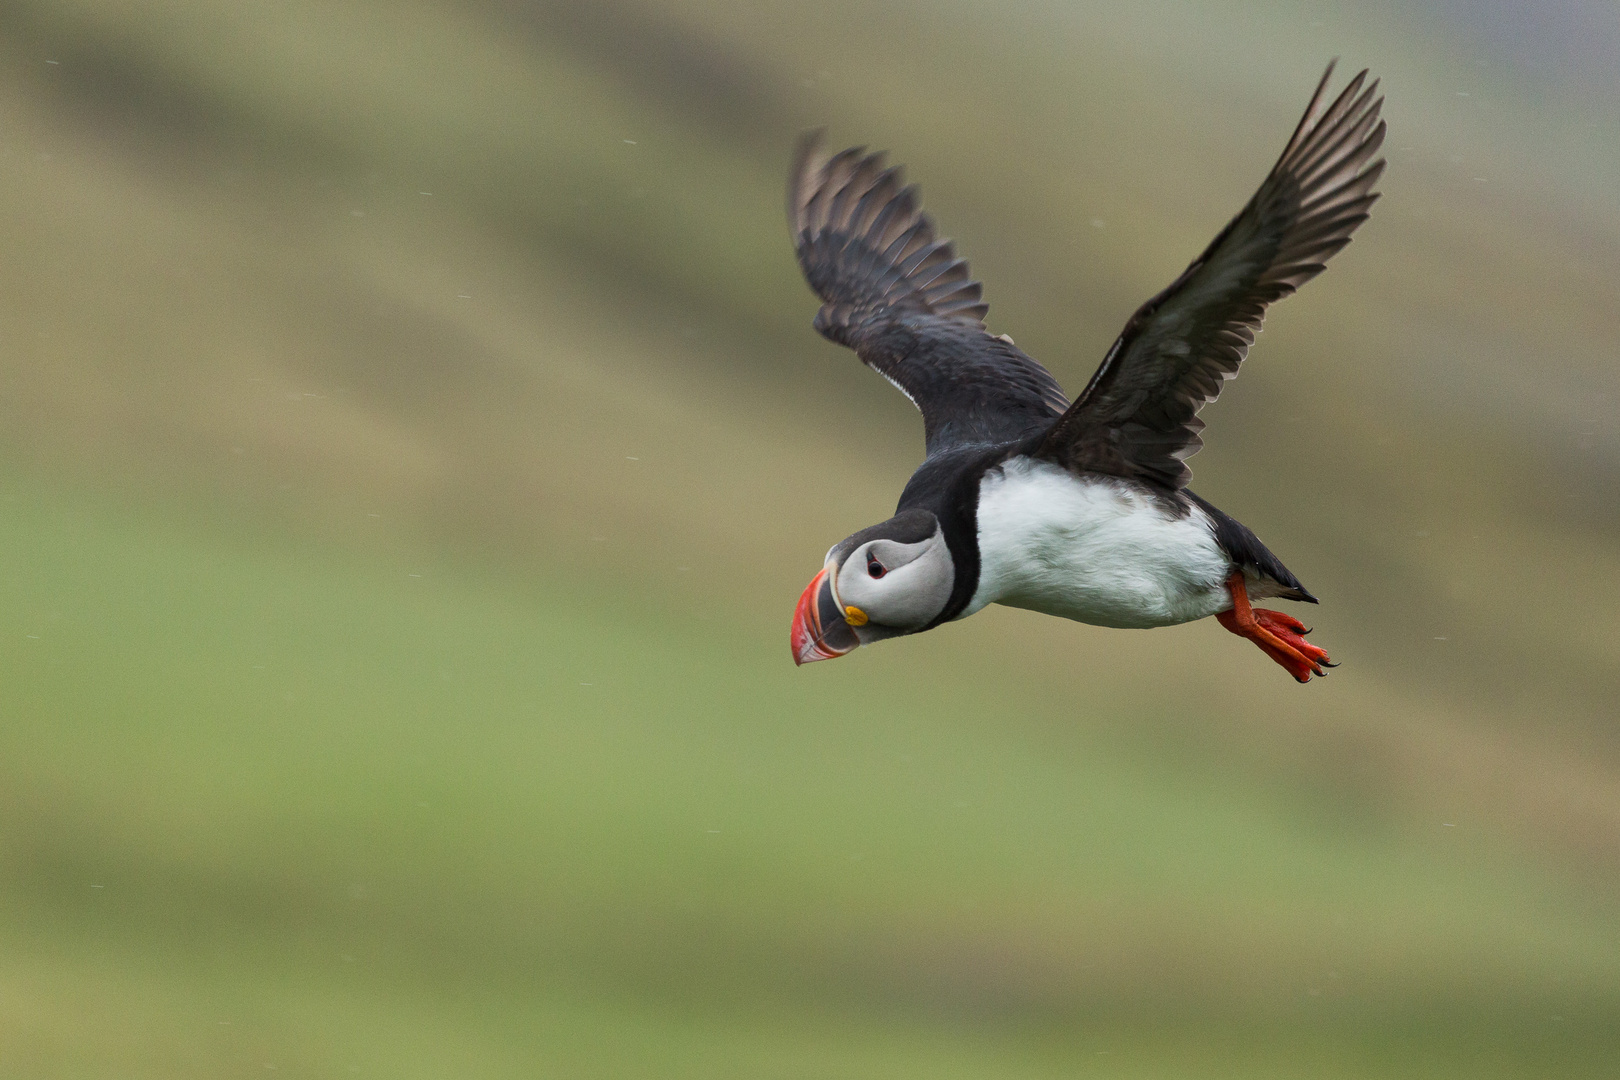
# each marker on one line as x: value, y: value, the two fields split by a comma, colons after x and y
x: 854, y: 616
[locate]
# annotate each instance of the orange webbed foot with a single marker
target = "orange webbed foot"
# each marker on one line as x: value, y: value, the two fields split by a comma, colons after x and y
x: 1292, y: 633
x: 1280, y: 636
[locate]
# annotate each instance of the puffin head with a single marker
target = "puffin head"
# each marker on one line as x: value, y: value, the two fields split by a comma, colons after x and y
x: 892, y: 579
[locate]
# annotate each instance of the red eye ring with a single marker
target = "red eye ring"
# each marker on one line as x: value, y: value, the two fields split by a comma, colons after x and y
x: 875, y: 568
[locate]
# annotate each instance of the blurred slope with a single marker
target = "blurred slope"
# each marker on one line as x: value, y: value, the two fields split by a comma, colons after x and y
x: 505, y: 285
x: 303, y: 799
x: 258, y: 171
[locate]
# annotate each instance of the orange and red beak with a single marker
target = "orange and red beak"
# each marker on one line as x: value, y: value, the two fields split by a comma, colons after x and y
x: 820, y: 630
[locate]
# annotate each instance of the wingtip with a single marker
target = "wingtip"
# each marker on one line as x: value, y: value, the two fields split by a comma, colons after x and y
x: 809, y: 140
x: 805, y: 151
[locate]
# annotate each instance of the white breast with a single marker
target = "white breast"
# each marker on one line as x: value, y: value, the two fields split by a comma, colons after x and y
x: 1093, y: 549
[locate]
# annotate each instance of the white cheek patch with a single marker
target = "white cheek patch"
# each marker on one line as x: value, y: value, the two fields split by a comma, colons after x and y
x: 909, y: 595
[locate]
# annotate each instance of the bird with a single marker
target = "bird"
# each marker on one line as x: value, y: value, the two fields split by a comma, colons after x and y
x: 1075, y: 509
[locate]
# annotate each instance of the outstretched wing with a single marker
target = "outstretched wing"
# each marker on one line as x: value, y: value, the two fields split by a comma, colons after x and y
x: 1138, y: 416
x: 904, y: 302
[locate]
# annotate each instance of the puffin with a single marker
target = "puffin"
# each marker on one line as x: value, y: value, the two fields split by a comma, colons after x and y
x: 1078, y: 509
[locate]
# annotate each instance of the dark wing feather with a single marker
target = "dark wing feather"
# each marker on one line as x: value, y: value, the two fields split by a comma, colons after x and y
x: 1138, y: 416
x: 905, y: 303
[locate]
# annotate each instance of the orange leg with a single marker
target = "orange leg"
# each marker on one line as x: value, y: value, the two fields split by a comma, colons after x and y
x: 1280, y: 636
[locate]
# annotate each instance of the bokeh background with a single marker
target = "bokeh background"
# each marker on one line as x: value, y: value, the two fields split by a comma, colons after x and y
x: 413, y: 442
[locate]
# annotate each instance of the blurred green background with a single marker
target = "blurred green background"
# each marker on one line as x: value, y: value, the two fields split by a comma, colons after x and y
x: 413, y: 442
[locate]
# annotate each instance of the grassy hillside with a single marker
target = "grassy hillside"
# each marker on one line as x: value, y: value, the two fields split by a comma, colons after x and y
x: 412, y: 443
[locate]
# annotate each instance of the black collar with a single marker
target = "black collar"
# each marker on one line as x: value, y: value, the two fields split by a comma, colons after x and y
x: 947, y: 485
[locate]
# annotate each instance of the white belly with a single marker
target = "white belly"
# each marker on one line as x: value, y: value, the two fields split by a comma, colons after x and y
x: 1094, y: 550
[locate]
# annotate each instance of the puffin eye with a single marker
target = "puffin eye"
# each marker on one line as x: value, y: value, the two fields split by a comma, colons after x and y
x: 875, y: 568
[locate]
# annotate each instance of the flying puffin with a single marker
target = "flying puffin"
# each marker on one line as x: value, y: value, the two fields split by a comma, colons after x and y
x: 1073, y: 509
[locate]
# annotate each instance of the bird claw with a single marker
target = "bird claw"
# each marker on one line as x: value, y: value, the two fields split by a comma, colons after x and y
x: 1279, y: 635
x: 1300, y: 657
